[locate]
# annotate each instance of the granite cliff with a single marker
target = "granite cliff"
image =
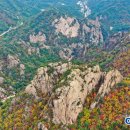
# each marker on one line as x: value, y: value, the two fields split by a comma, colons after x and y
x: 69, y: 85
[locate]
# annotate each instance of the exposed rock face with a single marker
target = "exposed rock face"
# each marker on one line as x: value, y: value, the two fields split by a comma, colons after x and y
x: 71, y: 27
x: 73, y: 51
x: 69, y: 97
x: 89, y: 32
x: 66, y: 54
x: 46, y: 77
x: 5, y: 92
x: 67, y: 26
x: 41, y: 126
x: 111, y: 79
x: 2, y: 91
x: 22, y: 69
x: 37, y: 38
x: 117, y: 40
x: 93, y: 30
x: 33, y: 50
x: 12, y: 61
x: 31, y: 90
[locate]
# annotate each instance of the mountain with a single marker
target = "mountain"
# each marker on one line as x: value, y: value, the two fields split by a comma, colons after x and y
x: 66, y: 96
x: 64, y: 64
x: 114, y: 14
x: 45, y: 39
x: 59, y: 91
x: 41, y: 36
x: 52, y: 36
x: 13, y: 12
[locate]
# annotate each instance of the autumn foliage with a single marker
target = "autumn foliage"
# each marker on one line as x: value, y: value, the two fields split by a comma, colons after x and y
x: 108, y: 115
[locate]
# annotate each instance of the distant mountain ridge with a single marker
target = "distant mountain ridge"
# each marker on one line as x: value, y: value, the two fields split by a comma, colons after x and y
x: 114, y: 14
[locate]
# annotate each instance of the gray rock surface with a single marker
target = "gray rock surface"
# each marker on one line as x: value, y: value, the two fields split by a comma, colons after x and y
x: 12, y: 61
x: 70, y: 85
x: 41, y: 126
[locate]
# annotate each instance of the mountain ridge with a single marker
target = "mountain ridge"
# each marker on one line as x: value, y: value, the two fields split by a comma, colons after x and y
x: 64, y: 65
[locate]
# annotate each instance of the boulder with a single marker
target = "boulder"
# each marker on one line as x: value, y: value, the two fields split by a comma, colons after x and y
x: 41, y: 126
x: 12, y: 61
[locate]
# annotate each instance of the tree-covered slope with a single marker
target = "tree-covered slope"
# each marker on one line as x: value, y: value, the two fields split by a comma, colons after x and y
x: 114, y: 14
x: 14, y: 11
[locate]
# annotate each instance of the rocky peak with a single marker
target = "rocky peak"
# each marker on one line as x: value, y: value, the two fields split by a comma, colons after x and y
x: 12, y: 61
x: 22, y: 69
x: 46, y: 78
x: 69, y: 85
x: 110, y: 80
x: 68, y: 26
x: 40, y: 37
x: 94, y: 28
x: 72, y: 28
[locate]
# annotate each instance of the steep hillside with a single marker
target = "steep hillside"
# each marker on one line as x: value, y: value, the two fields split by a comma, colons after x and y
x: 114, y: 14
x: 109, y: 114
x: 53, y: 36
x: 13, y: 12
x: 64, y: 64
x: 50, y: 36
x: 58, y: 93
x: 121, y: 51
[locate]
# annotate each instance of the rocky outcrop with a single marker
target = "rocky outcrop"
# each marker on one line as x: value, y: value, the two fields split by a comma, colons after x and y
x: 41, y: 126
x: 70, y: 85
x: 6, y: 92
x: 73, y: 51
x: 12, y: 61
x: 89, y: 31
x: 37, y: 38
x: 76, y: 33
x: 71, y: 97
x: 117, y: 41
x: 22, y: 69
x: 92, y: 29
x: 33, y: 50
x: 110, y: 80
x: 66, y: 54
x: 2, y: 91
x: 68, y: 26
x: 46, y: 78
